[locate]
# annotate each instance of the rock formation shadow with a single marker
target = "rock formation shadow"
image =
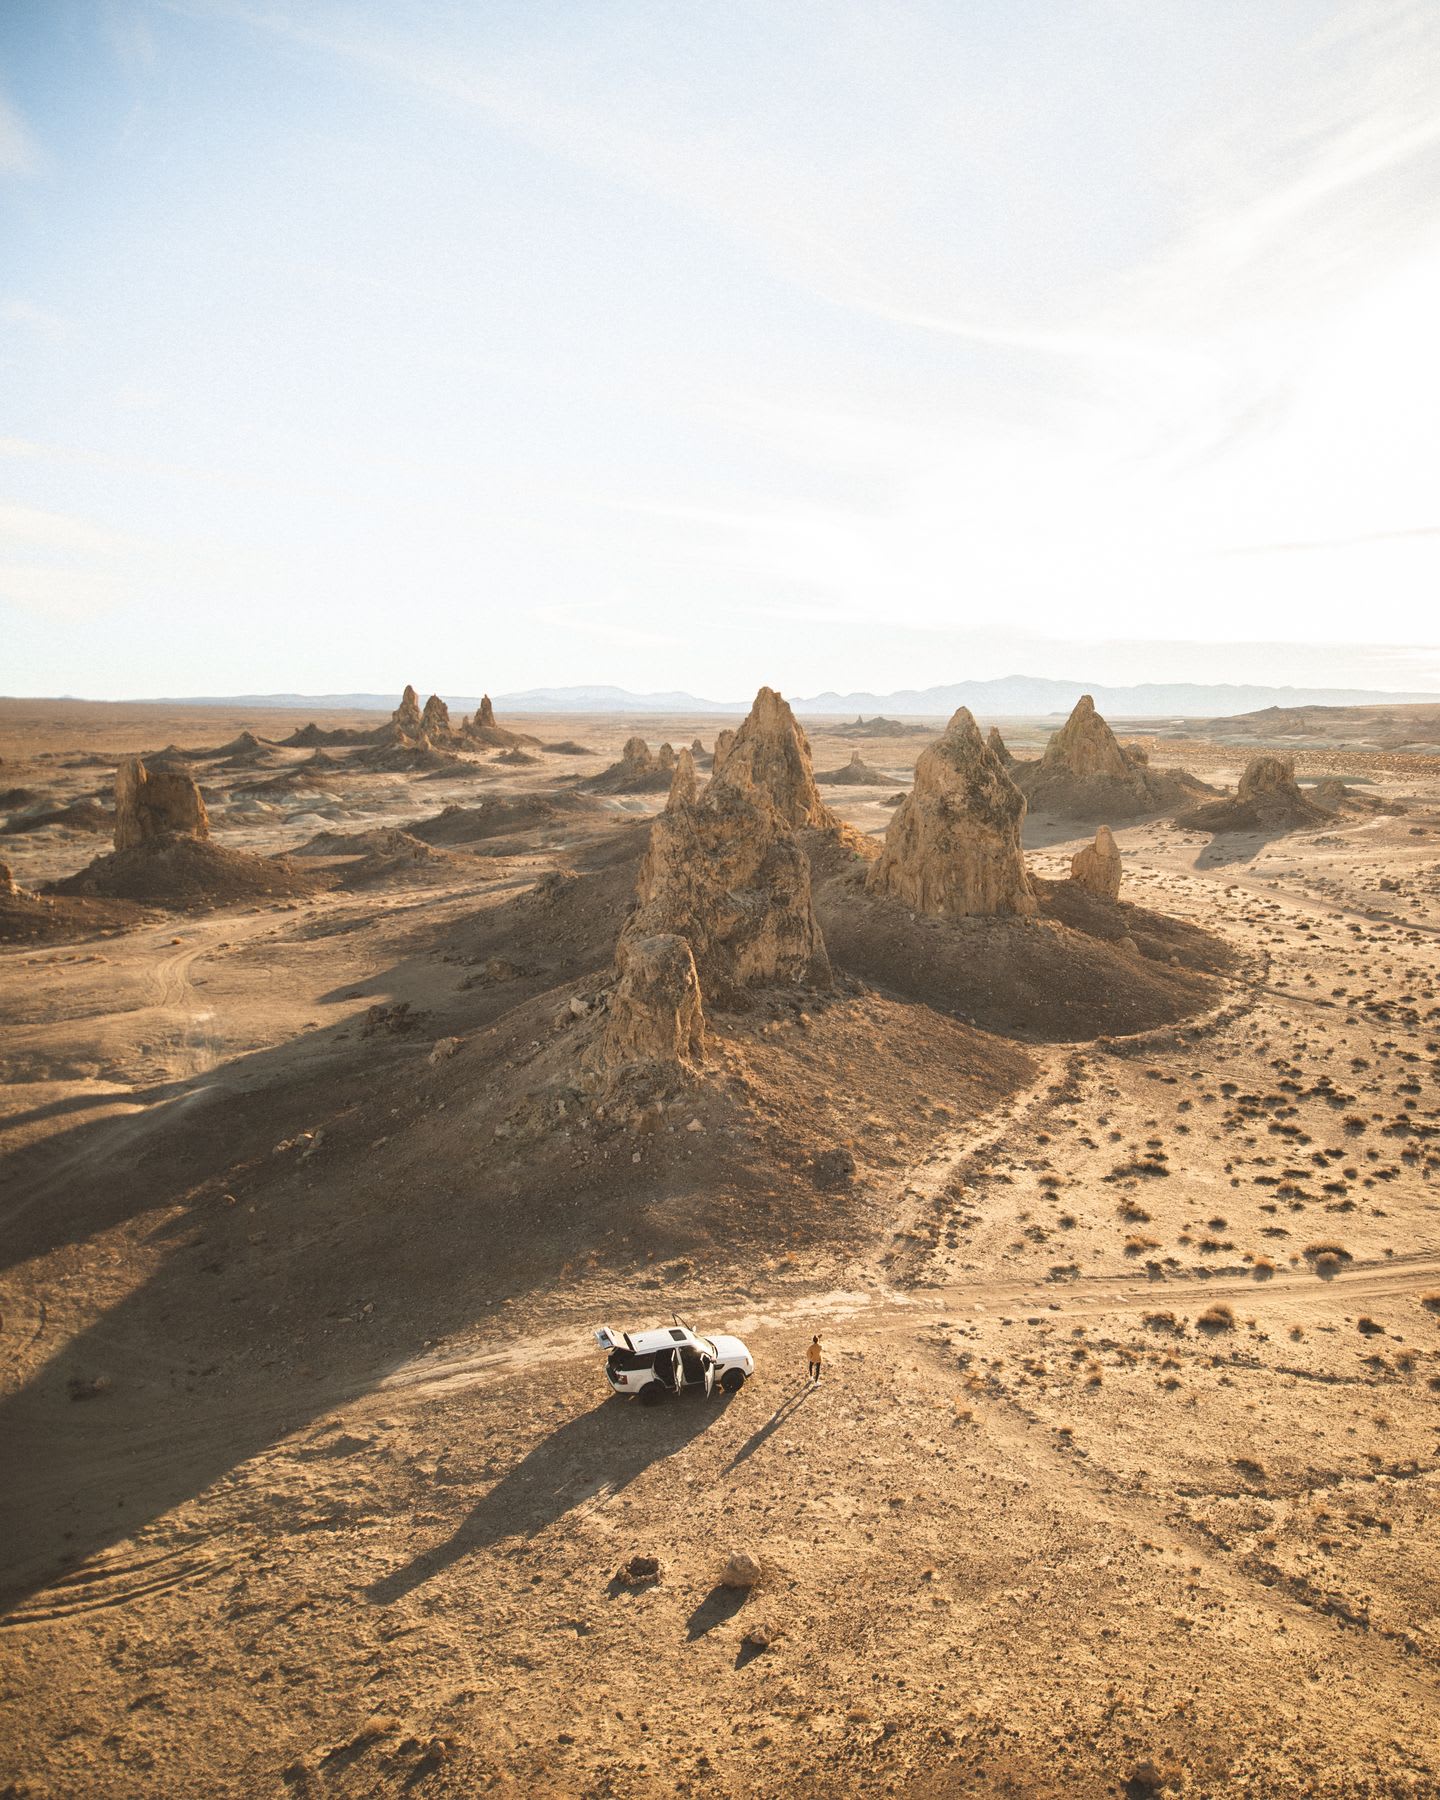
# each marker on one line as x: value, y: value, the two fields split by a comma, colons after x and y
x: 584, y: 1462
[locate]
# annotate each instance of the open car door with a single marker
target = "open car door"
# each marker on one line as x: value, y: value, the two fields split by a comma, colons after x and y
x: 707, y: 1363
x: 607, y: 1339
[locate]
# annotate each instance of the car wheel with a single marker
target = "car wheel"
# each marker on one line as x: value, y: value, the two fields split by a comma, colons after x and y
x: 651, y: 1394
x: 732, y: 1381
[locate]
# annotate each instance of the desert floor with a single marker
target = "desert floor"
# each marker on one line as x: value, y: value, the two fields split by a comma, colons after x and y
x: 1122, y: 1476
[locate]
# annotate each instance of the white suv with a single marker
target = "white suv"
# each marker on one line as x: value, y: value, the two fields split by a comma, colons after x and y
x: 670, y: 1359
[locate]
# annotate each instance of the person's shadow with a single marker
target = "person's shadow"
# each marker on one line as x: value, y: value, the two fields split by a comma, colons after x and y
x: 577, y: 1467
x: 786, y: 1410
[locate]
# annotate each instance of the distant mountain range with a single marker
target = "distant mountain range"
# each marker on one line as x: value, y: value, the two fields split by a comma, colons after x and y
x: 1010, y: 696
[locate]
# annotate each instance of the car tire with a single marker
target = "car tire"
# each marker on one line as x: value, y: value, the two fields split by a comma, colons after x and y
x: 652, y: 1394
x: 732, y: 1381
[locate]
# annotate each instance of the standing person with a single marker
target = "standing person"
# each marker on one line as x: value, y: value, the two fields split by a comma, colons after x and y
x: 812, y: 1360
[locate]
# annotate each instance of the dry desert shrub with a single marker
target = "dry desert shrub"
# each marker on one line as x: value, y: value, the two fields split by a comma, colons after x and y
x: 1431, y: 1302
x: 1217, y: 1318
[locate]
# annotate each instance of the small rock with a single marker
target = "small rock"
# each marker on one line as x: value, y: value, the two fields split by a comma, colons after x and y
x: 742, y: 1570
x: 443, y: 1048
x: 640, y: 1571
x: 578, y: 1006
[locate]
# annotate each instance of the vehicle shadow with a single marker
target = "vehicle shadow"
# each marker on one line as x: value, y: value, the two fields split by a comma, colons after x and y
x: 785, y: 1411
x: 574, y: 1469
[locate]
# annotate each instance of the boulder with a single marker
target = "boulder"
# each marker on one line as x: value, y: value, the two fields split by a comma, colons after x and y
x: 953, y: 847
x: 1096, y: 868
x: 742, y: 1570
x: 152, y: 804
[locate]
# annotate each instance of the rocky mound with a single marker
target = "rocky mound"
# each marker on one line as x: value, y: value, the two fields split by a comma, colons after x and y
x: 567, y: 747
x: 1086, y: 773
x: 1336, y: 796
x: 1267, y: 799
x: 80, y: 815
x: 404, y: 758
x: 12, y: 799
x: 313, y: 736
x: 501, y: 815
x: 1096, y: 868
x: 518, y: 759
x: 382, y: 853
x: 879, y: 726
x: 639, y: 771
x: 1082, y: 968
x: 953, y: 848
x: 152, y: 805
x: 188, y: 873
x: 858, y: 773
x: 27, y: 918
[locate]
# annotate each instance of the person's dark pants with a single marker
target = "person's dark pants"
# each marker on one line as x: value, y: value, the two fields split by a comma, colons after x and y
x: 814, y: 1371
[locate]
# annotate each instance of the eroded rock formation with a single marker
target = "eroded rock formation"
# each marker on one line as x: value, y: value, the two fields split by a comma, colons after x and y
x: 726, y: 873
x: 406, y: 716
x: 482, y: 730
x: 151, y: 804
x: 770, y: 752
x: 655, y: 1013
x: 724, y: 905
x: 435, y: 720
x: 1097, y: 867
x: 996, y: 744
x: 639, y: 771
x: 1086, y: 773
x: 724, y: 741
x: 8, y: 884
x: 1267, y: 799
x: 953, y: 847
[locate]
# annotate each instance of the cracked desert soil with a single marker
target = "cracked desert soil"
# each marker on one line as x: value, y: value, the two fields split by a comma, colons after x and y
x: 1122, y: 1477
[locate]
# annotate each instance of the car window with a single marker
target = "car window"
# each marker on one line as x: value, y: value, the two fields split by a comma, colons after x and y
x: 679, y: 1336
x: 709, y: 1344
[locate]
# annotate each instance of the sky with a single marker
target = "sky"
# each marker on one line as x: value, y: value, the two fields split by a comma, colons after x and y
x: 836, y: 344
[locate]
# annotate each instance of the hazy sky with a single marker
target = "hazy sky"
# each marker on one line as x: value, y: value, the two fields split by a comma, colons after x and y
x: 694, y: 345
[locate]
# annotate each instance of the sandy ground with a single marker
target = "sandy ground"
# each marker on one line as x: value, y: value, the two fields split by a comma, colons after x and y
x: 1122, y: 1476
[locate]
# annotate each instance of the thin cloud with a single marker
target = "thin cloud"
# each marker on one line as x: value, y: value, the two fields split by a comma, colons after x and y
x: 19, y: 153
